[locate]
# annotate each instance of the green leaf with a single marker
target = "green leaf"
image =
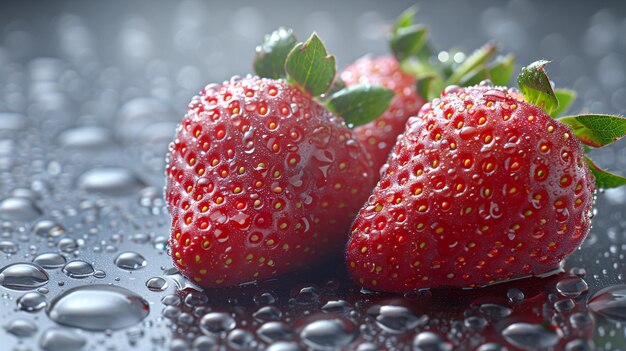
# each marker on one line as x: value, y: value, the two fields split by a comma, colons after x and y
x: 501, y: 71
x: 535, y: 86
x: 408, y: 41
x: 596, y: 130
x: 310, y: 67
x: 474, y: 77
x: 477, y: 58
x: 270, y: 57
x: 360, y: 104
x: 566, y: 97
x: 429, y: 86
x: 604, y: 179
x: 406, y: 18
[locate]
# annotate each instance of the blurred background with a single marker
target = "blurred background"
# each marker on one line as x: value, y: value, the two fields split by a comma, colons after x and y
x: 90, y: 94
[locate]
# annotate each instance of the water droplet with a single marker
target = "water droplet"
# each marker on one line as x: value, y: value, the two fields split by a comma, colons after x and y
x: 67, y: 245
x: 134, y: 334
x: 47, y: 228
x: 492, y: 346
x: 32, y: 302
x: 515, y: 295
x: 428, y: 341
x: 171, y: 300
x: 78, y: 269
x: 284, y: 346
x: 337, y: 306
x: 22, y: 328
x: 396, y: 319
x: 195, y: 299
x: 98, y: 307
x: 328, y: 333
x: 274, y: 331
x: 267, y: 313
x: 475, y: 322
x: 19, y: 208
x: 241, y: 339
x: 99, y: 274
x: 264, y: 298
x: 531, y: 336
x: 581, y: 320
x: 23, y: 276
x: 171, y: 312
x: 610, y: 302
x: 8, y: 247
x: 205, y: 343
x: 579, y: 345
x: 308, y: 296
x: 111, y: 181
x: 494, y: 311
x: 57, y: 339
x: 217, y: 322
x: 581, y: 272
x: 156, y: 284
x: 130, y: 261
x: 86, y: 137
x: 571, y: 286
x: 50, y: 260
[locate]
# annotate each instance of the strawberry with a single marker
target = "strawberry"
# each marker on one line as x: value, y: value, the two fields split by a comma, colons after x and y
x: 401, y: 72
x: 483, y: 186
x: 261, y: 177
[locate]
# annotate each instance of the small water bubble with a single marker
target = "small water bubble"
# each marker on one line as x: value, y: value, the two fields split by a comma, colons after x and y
x: 267, y: 313
x: 274, y: 331
x: 475, y: 322
x: 171, y: 300
x: 99, y: 274
x: 8, y: 247
x: 86, y: 138
x: 240, y: 339
x: 130, y: 261
x: 564, y: 305
x: 494, y: 311
x: 531, y: 336
x: 56, y: 339
x: 264, y: 298
x: 50, y: 260
x: 337, y: 306
x: 67, y: 245
x: 429, y: 341
x: 515, y: 295
x: 160, y: 243
x: 134, y: 334
x: 78, y: 269
x: 580, y: 345
x: 19, y: 208
x: 178, y: 345
x: 156, y: 284
x: 48, y: 229
x: 217, y: 322
x: 205, y: 343
x: 491, y: 346
x: 581, y: 272
x: 32, y: 302
x: 113, y: 181
x: 22, y: 328
x: 171, y: 312
x: 284, y: 346
x: 396, y: 319
x: 196, y: 298
x: 98, y: 307
x: 571, y: 286
x: 329, y: 333
x: 610, y: 303
x: 23, y: 276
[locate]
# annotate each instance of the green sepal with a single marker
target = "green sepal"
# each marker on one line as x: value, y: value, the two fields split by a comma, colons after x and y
x: 270, y: 57
x: 310, y: 68
x: 337, y: 85
x: 408, y: 41
x: 566, y: 97
x: 474, y: 77
x: 604, y: 179
x: 360, y: 104
x: 596, y: 130
x: 429, y: 86
x: 406, y: 18
x: 478, y: 58
x: 535, y: 86
x: 501, y: 71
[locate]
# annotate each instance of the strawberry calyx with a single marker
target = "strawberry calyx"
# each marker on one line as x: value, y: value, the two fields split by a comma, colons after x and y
x: 593, y: 130
x: 308, y: 66
x: 433, y: 72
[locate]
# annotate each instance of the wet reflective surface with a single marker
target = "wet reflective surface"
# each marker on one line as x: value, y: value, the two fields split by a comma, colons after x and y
x: 89, y: 99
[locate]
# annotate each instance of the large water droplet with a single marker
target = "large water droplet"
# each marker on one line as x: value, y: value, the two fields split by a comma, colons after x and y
x: 111, y: 181
x: 130, y: 261
x: 571, y: 286
x: 241, y: 339
x: 328, y: 333
x: 22, y: 328
x: 610, y: 303
x: 23, y: 276
x: 32, y: 302
x: 217, y: 322
x: 19, y: 208
x: 156, y: 284
x: 428, y: 341
x: 98, y: 307
x: 274, y: 331
x: 57, y: 339
x: 50, y: 260
x: 78, y: 269
x: 531, y: 336
x: 396, y: 319
x: 267, y: 313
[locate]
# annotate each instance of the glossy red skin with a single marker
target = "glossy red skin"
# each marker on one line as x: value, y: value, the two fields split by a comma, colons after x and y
x: 380, y: 135
x: 261, y: 180
x: 495, y: 218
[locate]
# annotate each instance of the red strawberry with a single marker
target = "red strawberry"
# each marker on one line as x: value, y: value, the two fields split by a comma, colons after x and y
x: 380, y: 135
x: 412, y: 62
x: 261, y: 178
x: 482, y: 187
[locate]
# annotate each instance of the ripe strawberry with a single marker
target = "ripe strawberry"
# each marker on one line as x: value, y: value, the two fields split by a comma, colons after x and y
x: 380, y: 135
x: 410, y: 74
x: 483, y: 186
x: 261, y: 178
